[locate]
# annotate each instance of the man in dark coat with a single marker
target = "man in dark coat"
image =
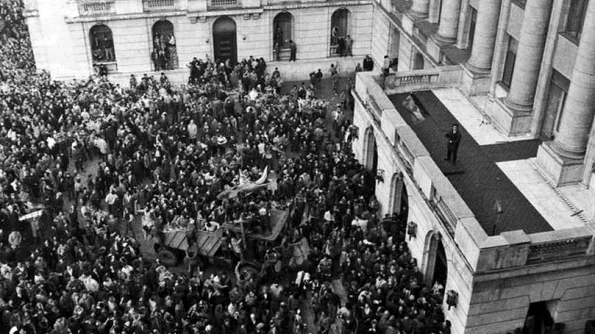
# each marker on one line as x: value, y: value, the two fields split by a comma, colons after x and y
x: 454, y: 138
x: 292, y: 50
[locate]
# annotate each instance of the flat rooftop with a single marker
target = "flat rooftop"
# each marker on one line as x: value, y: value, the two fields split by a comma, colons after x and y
x: 494, y: 170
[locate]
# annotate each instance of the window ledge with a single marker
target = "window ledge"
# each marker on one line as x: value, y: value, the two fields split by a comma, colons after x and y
x: 570, y: 37
x: 520, y: 3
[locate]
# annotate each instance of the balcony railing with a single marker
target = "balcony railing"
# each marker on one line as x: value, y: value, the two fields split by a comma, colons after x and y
x: 444, y: 212
x: 556, y: 249
x: 159, y: 5
x: 223, y: 3
x: 87, y: 8
x: 407, y: 81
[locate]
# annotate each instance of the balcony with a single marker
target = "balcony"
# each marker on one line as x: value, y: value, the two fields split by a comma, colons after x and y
x: 160, y: 5
x: 94, y: 8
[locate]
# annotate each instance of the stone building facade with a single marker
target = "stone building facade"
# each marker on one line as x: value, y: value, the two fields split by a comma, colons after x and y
x: 528, y: 67
x: 68, y: 35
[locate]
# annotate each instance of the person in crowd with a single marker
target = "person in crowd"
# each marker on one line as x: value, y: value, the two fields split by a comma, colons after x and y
x: 368, y: 64
x: 292, y: 50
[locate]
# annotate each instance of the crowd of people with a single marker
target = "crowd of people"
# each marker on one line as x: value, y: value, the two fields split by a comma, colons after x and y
x: 83, y: 161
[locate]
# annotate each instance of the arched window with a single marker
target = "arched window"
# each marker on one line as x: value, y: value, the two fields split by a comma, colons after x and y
x: 340, y: 39
x: 164, y: 54
x: 102, y: 44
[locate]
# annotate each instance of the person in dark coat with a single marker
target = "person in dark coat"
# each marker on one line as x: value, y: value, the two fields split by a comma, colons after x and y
x: 292, y: 50
x: 454, y: 139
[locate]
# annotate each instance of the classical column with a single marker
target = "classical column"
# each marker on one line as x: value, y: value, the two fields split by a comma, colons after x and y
x: 420, y: 8
x: 482, y: 49
x: 530, y: 52
x: 449, y: 21
x: 577, y: 116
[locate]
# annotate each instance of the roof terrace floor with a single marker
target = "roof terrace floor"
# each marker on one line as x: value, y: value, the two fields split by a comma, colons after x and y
x: 477, y: 176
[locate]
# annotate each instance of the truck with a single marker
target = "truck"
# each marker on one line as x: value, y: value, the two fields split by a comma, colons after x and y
x: 172, y: 244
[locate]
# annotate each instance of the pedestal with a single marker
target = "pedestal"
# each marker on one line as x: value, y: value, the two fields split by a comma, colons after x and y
x: 561, y: 170
x: 474, y: 81
x: 511, y: 122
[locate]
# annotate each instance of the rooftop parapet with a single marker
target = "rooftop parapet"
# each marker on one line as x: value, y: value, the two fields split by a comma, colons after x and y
x: 484, y: 253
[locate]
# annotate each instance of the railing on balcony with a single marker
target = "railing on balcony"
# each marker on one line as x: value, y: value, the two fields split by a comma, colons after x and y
x: 407, y: 81
x: 373, y: 109
x: 159, y: 5
x: 223, y: 3
x: 405, y: 154
x: 444, y: 212
x: 546, y: 251
x: 87, y: 8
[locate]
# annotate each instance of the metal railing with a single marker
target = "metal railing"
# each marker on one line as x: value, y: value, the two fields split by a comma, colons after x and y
x: 96, y: 8
x: 405, y: 154
x: 444, y: 212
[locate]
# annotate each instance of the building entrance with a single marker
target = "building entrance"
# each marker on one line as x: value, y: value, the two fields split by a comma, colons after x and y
x: 225, y: 40
x: 371, y: 161
x: 539, y: 320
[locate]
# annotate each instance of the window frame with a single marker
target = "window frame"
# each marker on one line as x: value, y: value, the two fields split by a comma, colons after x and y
x: 506, y: 82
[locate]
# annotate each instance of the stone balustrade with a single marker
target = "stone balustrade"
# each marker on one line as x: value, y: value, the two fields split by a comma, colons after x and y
x: 160, y: 5
x: 96, y: 7
x: 408, y: 81
x: 223, y: 3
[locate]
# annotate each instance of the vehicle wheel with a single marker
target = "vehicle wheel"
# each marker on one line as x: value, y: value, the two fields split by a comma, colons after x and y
x: 167, y: 257
x: 244, y: 269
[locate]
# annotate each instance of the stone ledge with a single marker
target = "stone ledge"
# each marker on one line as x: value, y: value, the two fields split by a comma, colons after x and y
x: 511, y: 123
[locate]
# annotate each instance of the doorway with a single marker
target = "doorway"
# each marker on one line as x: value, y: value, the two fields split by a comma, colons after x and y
x: 164, y: 54
x: 399, y: 202
x: 225, y: 40
x: 370, y: 160
x: 539, y: 319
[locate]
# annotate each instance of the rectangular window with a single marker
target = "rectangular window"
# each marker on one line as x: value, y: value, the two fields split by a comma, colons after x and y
x: 472, y: 24
x: 576, y: 18
x: 562, y: 84
x: 556, y: 99
x: 509, y: 61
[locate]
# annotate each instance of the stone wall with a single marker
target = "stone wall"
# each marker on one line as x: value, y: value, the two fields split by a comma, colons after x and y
x: 62, y: 45
x: 500, y: 303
